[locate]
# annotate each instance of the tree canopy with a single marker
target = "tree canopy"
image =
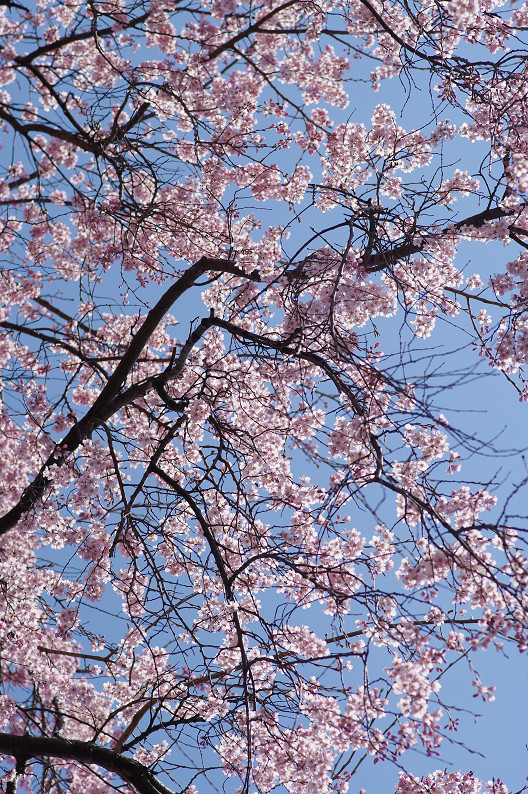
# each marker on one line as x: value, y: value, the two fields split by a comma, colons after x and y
x: 244, y: 533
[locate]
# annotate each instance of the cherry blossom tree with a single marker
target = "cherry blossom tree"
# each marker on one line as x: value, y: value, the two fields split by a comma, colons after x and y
x: 241, y: 537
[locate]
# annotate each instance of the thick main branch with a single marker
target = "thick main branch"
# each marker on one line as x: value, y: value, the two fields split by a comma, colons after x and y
x: 107, y: 402
x: 129, y: 770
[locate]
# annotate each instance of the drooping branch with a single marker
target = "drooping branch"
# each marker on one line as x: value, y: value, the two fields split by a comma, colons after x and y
x: 305, y: 355
x: 79, y: 139
x: 129, y: 770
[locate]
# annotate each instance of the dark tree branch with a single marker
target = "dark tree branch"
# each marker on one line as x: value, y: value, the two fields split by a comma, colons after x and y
x: 107, y: 404
x: 382, y: 261
x: 66, y: 41
x: 129, y: 770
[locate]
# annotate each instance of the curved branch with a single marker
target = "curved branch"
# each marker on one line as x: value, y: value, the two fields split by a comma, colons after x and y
x: 108, y: 403
x: 227, y: 45
x: 66, y: 41
x: 129, y: 770
x: 304, y: 355
x: 432, y: 59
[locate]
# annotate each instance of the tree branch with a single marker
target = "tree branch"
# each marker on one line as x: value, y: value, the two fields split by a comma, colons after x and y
x: 129, y: 770
x: 106, y: 404
x: 382, y: 261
